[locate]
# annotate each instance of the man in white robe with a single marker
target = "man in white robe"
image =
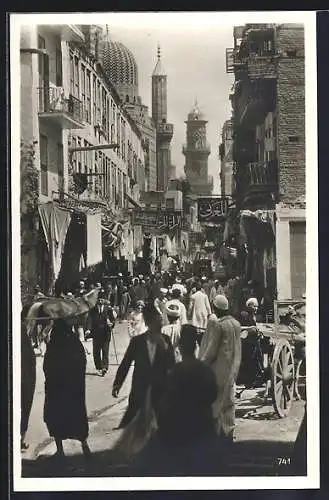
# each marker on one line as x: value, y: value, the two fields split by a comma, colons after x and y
x: 199, y: 308
x: 221, y: 350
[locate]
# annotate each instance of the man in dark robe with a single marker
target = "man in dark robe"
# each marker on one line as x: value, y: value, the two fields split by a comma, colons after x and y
x: 101, y: 323
x: 28, y: 377
x: 153, y: 356
x: 64, y: 367
x: 185, y: 442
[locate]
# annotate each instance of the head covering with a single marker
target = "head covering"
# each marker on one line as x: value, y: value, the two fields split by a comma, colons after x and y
x: 140, y: 276
x: 252, y: 302
x: 141, y: 303
x: 204, y: 278
x: 164, y: 291
x: 82, y: 283
x: 172, y: 309
x: 98, y: 285
x: 69, y: 294
x: 178, y: 280
x: 221, y: 302
x: 120, y: 274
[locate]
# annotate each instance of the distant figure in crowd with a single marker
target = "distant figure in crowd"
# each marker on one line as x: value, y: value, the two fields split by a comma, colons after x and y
x: 221, y: 350
x: 177, y: 299
x: 178, y: 285
x: 137, y: 324
x: 120, y: 287
x: 199, y: 309
x: 153, y: 355
x: 125, y: 303
x: 101, y: 323
x: 160, y: 303
x: 65, y: 407
x: 140, y: 291
x: 173, y: 329
x: 186, y: 442
x: 28, y: 378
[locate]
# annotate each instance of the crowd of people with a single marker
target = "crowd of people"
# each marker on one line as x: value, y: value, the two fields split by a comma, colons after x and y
x: 185, y: 348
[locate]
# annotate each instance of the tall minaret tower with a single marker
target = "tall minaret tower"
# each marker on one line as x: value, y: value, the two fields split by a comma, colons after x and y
x: 164, y: 130
x: 196, y: 152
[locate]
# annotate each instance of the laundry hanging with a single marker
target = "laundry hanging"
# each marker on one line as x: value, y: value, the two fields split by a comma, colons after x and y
x: 94, y: 239
x: 55, y: 222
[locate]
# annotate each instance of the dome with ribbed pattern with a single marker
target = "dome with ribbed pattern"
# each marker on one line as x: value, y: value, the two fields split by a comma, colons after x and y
x: 121, y: 69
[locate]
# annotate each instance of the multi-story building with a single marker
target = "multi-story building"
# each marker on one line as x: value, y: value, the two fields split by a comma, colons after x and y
x: 268, y: 103
x: 89, y: 152
x: 226, y: 159
x: 164, y: 130
x: 196, y: 152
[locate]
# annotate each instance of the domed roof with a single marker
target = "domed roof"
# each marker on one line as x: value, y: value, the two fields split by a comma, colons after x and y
x: 120, y: 66
x: 195, y: 113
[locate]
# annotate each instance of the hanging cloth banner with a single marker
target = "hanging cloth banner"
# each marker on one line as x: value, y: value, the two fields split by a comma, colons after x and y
x: 55, y: 222
x: 94, y: 239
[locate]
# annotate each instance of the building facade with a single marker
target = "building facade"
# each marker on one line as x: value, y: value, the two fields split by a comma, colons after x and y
x: 268, y: 103
x: 88, y: 152
x: 196, y: 152
x: 226, y: 159
x: 164, y: 130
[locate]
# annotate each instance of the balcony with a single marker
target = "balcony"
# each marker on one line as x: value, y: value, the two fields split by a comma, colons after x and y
x: 206, y: 149
x: 262, y: 176
x: 55, y: 108
x: 67, y: 32
x: 165, y: 129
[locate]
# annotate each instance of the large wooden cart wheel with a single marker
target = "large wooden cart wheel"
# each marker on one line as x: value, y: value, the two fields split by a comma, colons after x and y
x: 283, y: 378
x: 300, y: 380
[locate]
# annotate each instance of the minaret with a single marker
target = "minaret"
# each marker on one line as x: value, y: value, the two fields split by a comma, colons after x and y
x: 196, y: 152
x: 164, y: 130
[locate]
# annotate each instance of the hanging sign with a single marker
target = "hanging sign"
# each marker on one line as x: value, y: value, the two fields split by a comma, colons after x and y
x: 212, y: 209
x: 164, y: 220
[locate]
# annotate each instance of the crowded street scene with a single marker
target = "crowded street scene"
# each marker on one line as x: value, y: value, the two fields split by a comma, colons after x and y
x: 163, y: 307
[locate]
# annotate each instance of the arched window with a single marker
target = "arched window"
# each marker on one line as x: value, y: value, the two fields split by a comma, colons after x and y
x: 127, y: 98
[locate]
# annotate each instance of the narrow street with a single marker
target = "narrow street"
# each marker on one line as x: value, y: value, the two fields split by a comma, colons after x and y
x: 263, y: 441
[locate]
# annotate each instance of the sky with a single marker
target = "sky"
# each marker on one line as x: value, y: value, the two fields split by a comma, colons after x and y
x: 193, y: 56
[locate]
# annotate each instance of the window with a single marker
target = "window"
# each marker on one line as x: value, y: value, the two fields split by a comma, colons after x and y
x: 44, y: 164
x: 83, y: 87
x: 71, y: 74
x: 86, y: 155
x: 76, y: 89
x: 59, y: 74
x: 60, y: 163
x: 88, y: 97
x: 98, y: 103
x: 74, y: 156
x: 94, y: 100
x: 78, y: 153
x: 41, y: 67
x: 170, y: 204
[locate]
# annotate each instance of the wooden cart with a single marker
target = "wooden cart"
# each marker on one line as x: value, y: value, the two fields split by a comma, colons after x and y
x: 282, y: 364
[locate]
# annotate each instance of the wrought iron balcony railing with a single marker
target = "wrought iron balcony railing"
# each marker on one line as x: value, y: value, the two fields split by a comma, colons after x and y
x: 53, y: 101
x: 262, y: 174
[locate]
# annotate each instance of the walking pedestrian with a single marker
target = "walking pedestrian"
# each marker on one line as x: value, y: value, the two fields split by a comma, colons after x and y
x: 221, y: 350
x: 28, y: 378
x: 137, y: 323
x: 153, y: 355
x: 178, y: 300
x: 173, y: 312
x: 199, y: 309
x: 64, y: 368
x: 186, y: 442
x: 101, y: 323
x: 125, y: 304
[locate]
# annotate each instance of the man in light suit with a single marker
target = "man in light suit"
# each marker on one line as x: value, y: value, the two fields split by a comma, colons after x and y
x: 199, y: 309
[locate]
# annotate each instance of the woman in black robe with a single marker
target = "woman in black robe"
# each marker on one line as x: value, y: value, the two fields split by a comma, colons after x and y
x: 28, y: 377
x: 65, y: 404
